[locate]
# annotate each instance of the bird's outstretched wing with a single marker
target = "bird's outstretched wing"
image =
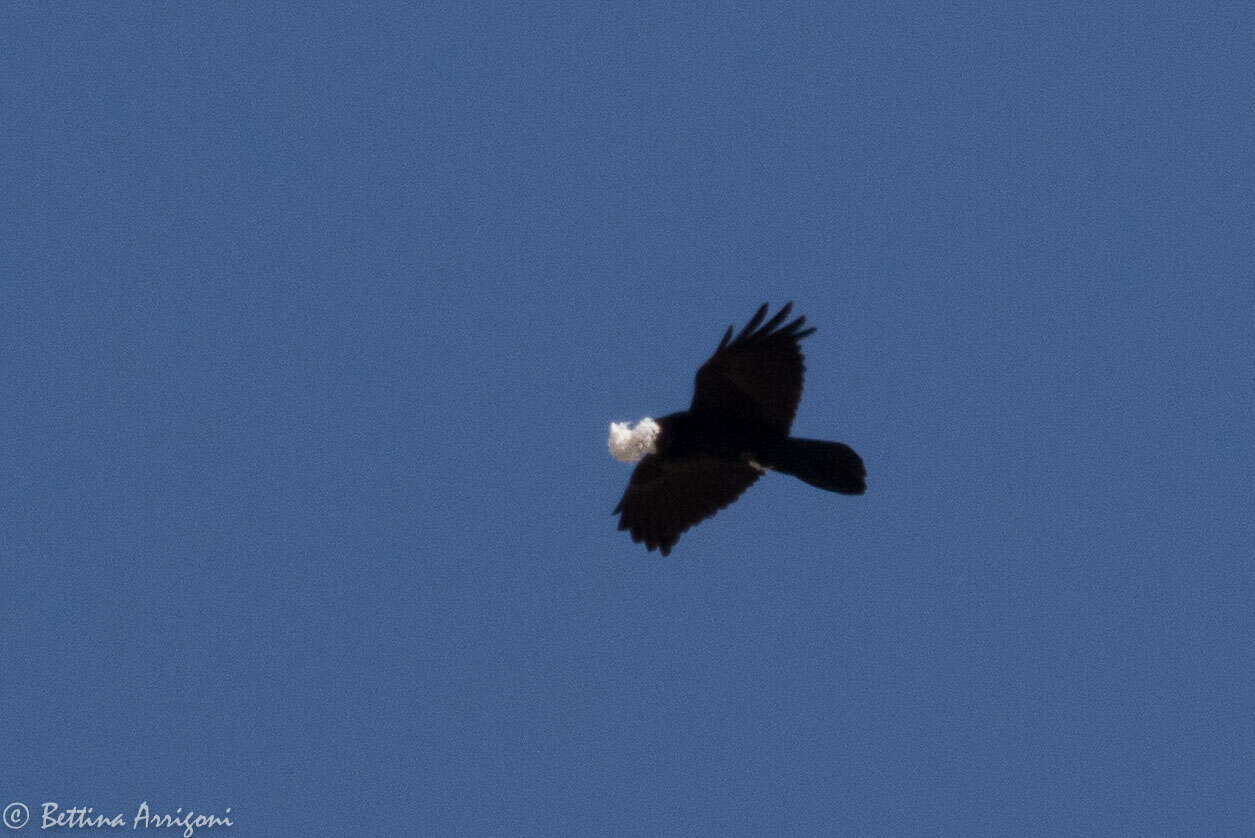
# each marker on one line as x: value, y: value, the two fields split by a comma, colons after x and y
x: 757, y: 375
x: 666, y: 497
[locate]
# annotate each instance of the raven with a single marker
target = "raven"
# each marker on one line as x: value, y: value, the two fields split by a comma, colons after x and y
x: 698, y: 461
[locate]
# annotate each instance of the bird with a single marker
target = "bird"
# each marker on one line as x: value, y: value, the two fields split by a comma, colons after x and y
x: 693, y: 463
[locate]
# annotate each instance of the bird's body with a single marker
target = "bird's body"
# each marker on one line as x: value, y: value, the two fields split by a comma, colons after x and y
x: 700, y: 460
x: 689, y: 434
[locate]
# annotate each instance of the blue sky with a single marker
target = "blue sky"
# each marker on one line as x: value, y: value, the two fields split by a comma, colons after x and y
x: 313, y: 319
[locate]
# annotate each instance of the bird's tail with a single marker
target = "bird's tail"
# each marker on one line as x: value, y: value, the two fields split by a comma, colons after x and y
x: 832, y: 466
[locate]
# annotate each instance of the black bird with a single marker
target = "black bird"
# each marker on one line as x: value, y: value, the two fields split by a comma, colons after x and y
x: 698, y: 461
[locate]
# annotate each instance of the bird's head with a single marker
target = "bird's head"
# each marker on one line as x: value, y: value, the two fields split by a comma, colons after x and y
x: 628, y: 444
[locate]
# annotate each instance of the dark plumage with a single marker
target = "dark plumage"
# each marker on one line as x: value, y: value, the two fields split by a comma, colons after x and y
x: 738, y: 425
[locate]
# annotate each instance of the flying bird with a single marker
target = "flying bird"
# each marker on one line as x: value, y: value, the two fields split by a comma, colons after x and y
x: 696, y: 462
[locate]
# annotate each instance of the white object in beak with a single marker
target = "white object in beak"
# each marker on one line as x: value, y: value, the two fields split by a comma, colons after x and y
x: 628, y: 444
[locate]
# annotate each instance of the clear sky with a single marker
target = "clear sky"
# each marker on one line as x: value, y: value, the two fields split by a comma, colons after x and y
x: 312, y: 320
